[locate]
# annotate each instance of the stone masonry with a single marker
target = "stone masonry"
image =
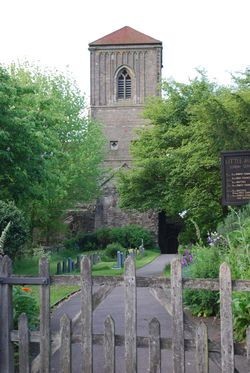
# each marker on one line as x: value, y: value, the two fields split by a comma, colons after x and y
x: 119, y: 109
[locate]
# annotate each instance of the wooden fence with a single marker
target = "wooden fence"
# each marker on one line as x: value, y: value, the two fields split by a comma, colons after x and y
x: 222, y: 354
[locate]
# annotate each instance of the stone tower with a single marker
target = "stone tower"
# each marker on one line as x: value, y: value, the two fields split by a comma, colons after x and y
x: 125, y: 69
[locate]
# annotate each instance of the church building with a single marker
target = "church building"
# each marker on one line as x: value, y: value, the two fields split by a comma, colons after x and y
x: 125, y: 69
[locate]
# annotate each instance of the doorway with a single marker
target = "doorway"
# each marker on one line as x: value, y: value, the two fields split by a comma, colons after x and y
x: 168, y: 231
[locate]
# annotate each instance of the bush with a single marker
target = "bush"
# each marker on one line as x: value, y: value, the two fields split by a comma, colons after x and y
x: 132, y: 236
x: 18, y: 232
x: 82, y: 241
x: 23, y: 301
x: 241, y: 311
x: 127, y: 236
x: 112, y: 248
x: 206, y: 263
x: 231, y: 244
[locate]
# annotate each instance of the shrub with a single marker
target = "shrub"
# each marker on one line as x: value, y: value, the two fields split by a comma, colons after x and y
x: 132, y: 236
x: 127, y: 236
x: 205, y: 264
x: 103, y: 237
x: 241, y: 311
x: 18, y: 232
x: 82, y: 241
x: 112, y: 248
x: 23, y: 301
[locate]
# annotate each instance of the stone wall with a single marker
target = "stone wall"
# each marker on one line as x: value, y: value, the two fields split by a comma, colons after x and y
x: 108, y: 213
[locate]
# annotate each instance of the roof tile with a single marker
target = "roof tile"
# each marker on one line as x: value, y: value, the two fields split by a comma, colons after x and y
x: 125, y: 35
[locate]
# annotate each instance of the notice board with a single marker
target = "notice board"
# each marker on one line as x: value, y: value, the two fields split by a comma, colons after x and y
x: 235, y: 167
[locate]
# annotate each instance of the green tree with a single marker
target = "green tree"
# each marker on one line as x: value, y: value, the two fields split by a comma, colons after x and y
x: 177, y: 157
x: 50, y: 152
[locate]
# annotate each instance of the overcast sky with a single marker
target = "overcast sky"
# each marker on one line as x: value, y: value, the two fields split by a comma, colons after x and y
x: 214, y: 34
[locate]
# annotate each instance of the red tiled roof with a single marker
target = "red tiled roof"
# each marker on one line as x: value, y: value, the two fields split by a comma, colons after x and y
x: 125, y: 35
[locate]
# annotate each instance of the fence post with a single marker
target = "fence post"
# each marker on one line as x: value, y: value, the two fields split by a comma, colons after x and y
x: 130, y: 316
x: 109, y: 345
x: 6, y: 318
x: 44, y: 318
x: 65, y: 349
x: 201, y: 349
x: 227, y: 346
x: 86, y: 315
x: 24, y: 365
x: 248, y: 346
x: 154, y: 347
x: 177, y: 317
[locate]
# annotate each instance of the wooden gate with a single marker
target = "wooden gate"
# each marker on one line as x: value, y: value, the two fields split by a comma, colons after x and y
x: 167, y: 291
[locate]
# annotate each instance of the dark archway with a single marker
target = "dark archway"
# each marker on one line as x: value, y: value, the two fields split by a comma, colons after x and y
x: 168, y: 230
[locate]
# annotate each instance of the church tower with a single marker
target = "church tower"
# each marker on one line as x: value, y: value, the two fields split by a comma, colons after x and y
x: 125, y: 69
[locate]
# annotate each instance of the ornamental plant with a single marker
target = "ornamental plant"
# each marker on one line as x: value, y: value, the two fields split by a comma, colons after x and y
x: 24, y: 302
x: 187, y: 258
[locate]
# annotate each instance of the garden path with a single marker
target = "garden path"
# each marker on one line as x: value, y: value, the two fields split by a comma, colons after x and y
x: 147, y: 308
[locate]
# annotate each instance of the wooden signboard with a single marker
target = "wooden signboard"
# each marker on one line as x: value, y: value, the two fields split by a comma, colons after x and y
x: 235, y: 167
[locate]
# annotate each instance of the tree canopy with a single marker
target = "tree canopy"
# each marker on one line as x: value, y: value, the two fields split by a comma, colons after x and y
x: 177, y: 156
x: 50, y: 152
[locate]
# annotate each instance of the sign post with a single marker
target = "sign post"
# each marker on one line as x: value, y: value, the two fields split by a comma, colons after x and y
x: 235, y: 166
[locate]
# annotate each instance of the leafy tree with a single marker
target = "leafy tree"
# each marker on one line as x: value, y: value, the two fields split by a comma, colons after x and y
x: 50, y: 152
x: 177, y: 156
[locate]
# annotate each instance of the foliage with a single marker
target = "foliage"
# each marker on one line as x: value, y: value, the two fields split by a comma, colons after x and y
x: 177, y: 156
x: 205, y: 264
x: 187, y: 258
x: 50, y: 153
x: 132, y: 236
x: 17, y: 234
x: 112, y: 248
x: 3, y: 238
x: 230, y: 243
x: 127, y: 236
x: 241, y: 312
x: 24, y: 302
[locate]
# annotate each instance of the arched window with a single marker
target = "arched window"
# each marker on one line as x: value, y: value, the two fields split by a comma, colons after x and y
x: 124, y: 85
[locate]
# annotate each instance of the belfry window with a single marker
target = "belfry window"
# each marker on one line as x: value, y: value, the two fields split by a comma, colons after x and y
x: 124, y: 85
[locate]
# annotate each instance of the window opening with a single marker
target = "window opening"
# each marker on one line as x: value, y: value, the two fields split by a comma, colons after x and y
x: 114, y: 145
x: 124, y: 85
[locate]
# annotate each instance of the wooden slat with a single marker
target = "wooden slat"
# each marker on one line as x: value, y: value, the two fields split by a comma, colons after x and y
x: 6, y: 348
x: 86, y: 315
x: 177, y: 318
x: 100, y: 294
x: 130, y: 316
x: 152, y: 282
x: 65, y: 350
x: 227, y: 346
x: 44, y: 318
x: 142, y: 342
x: 109, y: 345
x: 24, y: 365
x: 24, y: 280
x: 201, y: 349
x: 248, y: 346
x: 154, y: 347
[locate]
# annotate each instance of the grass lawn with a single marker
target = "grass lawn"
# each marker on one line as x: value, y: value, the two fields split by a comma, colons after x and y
x: 29, y: 266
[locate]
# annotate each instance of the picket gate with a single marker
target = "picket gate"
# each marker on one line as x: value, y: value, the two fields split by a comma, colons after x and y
x: 222, y: 354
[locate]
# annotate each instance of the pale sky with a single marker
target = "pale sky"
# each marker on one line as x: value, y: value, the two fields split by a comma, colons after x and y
x: 213, y: 34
